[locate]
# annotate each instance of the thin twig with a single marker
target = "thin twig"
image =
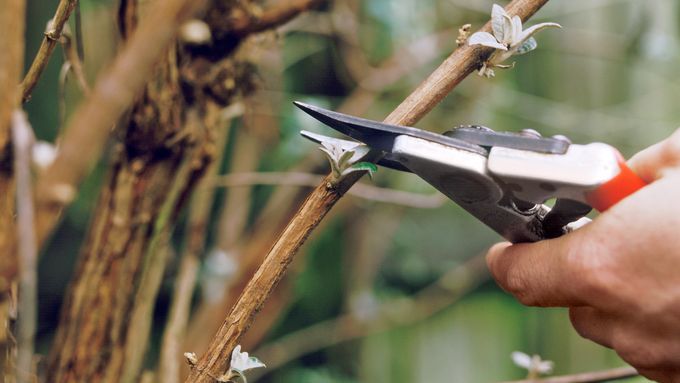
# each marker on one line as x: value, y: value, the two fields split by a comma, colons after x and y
x: 22, y: 136
x: 447, y: 290
x: 463, y: 61
x: 367, y: 192
x: 587, y: 377
x: 52, y: 36
x: 72, y: 56
x: 83, y: 141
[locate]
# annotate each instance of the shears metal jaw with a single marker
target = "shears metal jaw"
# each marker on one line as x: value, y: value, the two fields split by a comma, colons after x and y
x: 503, y: 179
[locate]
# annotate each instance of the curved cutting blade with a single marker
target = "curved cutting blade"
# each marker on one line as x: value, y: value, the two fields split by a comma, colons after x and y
x: 379, y: 135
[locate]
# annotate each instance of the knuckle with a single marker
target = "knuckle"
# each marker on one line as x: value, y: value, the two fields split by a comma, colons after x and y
x: 670, y: 149
x: 517, y: 285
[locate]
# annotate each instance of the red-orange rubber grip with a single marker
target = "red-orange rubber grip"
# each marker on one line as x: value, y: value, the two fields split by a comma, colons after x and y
x: 610, y: 193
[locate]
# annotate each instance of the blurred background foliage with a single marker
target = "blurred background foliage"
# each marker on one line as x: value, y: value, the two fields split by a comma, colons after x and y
x: 610, y: 75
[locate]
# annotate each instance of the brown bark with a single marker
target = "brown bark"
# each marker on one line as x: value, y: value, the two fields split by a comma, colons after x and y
x: 105, y: 322
x: 280, y: 13
x: 164, y: 149
x: 90, y: 126
x: 106, y: 318
x: 11, y: 62
x: 12, y: 27
x: 215, y: 361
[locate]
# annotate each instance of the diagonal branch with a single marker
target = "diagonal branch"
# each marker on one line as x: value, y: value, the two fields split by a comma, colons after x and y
x: 272, y: 17
x: 462, y: 62
x: 52, y: 36
x: 114, y: 92
x: 398, y: 312
x: 588, y: 377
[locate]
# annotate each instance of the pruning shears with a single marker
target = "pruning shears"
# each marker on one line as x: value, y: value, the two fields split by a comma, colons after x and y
x: 502, y: 178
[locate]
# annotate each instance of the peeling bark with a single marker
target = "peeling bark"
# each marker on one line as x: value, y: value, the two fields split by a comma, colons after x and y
x: 106, y: 319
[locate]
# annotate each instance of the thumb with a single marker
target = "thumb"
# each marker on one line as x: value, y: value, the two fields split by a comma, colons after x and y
x: 652, y: 163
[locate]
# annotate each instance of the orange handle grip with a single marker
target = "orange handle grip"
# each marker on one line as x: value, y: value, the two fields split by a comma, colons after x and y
x: 616, y: 189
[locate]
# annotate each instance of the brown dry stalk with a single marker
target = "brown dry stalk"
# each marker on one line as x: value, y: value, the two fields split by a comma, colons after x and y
x: 76, y: 65
x: 587, y: 377
x: 84, y: 139
x: 215, y: 361
x: 274, y: 16
x: 12, y: 24
x: 12, y: 27
x: 52, y: 36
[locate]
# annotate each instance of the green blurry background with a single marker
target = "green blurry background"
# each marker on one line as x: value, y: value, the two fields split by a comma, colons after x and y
x: 610, y: 75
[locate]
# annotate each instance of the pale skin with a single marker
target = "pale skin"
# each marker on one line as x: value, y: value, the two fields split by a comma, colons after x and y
x: 619, y: 275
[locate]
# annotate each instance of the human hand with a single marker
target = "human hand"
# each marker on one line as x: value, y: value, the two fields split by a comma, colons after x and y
x: 619, y: 275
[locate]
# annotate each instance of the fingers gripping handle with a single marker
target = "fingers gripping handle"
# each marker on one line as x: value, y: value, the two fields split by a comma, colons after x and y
x: 622, y: 185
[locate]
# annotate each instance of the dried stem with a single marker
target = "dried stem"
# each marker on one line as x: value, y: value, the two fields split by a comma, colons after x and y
x: 83, y: 141
x: 587, y: 377
x: 448, y: 289
x: 215, y: 361
x: 52, y: 36
x: 71, y: 53
x: 368, y: 192
x: 27, y: 248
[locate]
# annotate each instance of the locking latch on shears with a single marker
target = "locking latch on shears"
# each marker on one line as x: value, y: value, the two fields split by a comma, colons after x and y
x: 501, y: 178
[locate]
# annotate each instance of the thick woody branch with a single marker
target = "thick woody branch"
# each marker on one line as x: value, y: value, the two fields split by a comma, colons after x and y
x: 462, y: 62
x: 49, y: 42
x: 114, y: 92
x: 588, y: 377
x: 11, y: 62
x: 12, y: 18
x: 272, y: 17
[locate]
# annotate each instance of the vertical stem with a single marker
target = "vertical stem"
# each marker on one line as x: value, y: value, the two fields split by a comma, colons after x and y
x: 12, y: 25
x: 28, y: 252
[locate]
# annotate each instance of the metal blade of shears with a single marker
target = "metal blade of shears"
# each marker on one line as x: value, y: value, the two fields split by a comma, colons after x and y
x: 387, y: 160
x: 379, y: 135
